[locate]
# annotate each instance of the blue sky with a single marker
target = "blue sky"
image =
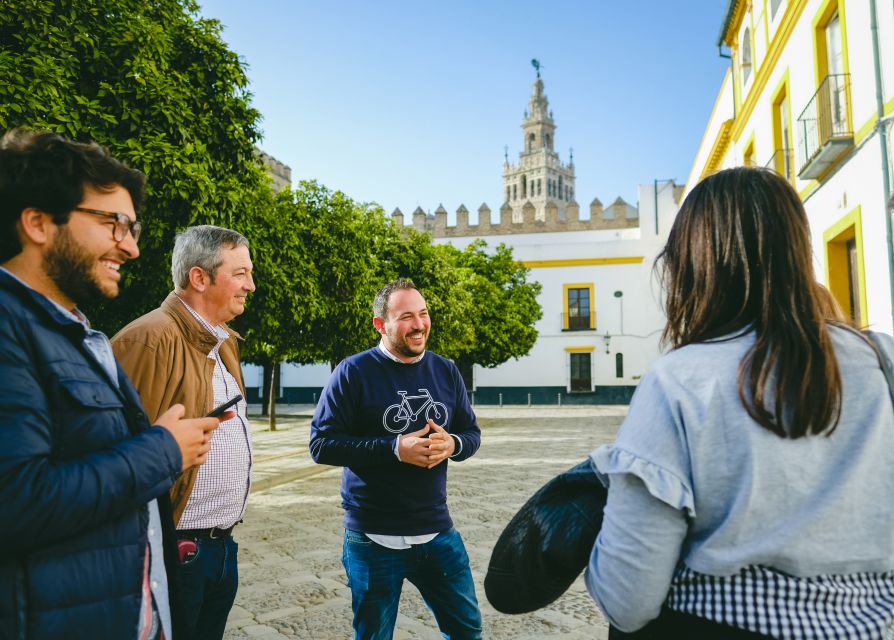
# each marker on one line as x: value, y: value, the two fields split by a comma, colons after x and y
x: 411, y: 104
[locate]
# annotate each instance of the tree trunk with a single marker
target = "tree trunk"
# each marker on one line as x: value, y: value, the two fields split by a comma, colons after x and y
x: 267, y: 367
x: 465, y: 370
x: 271, y: 398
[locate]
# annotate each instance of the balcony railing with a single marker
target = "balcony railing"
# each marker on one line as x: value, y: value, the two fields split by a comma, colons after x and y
x: 783, y: 162
x: 823, y: 128
x: 578, y: 322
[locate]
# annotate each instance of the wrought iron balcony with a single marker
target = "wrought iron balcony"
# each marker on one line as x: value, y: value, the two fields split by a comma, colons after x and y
x: 783, y: 162
x: 578, y: 322
x: 823, y: 128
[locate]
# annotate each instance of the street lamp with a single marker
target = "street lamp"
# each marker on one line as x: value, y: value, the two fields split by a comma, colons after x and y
x: 620, y: 296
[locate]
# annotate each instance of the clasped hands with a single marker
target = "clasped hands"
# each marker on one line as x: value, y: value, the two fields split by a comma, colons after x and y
x: 428, y: 452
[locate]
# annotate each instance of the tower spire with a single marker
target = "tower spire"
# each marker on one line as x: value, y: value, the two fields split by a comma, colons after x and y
x: 536, y: 64
x: 540, y: 178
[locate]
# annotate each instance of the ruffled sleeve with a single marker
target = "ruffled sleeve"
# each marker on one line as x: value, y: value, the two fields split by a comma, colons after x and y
x: 664, y: 485
x: 652, y: 443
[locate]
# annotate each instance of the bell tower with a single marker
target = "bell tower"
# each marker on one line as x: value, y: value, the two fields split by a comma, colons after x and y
x: 540, y: 177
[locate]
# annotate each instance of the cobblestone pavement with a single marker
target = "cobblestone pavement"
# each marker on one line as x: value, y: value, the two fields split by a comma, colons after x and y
x: 292, y: 583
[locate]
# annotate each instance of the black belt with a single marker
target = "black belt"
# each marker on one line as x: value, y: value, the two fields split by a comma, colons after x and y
x: 212, y: 533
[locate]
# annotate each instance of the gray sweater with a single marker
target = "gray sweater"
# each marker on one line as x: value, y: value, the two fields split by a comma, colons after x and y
x: 694, y: 479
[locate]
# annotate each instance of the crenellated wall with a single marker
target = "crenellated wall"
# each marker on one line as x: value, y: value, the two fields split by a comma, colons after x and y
x: 618, y: 215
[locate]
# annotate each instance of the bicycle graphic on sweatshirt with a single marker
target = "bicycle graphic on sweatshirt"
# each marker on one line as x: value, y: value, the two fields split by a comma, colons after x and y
x: 399, y: 416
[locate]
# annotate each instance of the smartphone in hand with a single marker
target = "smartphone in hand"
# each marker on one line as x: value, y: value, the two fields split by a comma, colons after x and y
x: 220, y: 410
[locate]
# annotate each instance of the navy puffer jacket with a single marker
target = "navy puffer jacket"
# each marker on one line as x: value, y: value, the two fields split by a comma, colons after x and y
x: 78, y: 464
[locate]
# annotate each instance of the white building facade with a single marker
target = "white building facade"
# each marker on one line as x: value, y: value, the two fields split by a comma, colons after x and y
x: 602, y: 318
x: 810, y: 93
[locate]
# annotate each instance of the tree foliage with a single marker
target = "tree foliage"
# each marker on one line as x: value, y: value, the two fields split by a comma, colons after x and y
x: 505, y: 307
x: 155, y: 83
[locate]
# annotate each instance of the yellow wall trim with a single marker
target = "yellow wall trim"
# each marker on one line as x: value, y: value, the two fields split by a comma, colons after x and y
x: 581, y: 262
x: 809, y: 189
x: 718, y: 150
x: 863, y: 132
x: 793, y: 11
x: 735, y: 21
x: 580, y: 349
x: 726, y: 77
x: 866, y: 130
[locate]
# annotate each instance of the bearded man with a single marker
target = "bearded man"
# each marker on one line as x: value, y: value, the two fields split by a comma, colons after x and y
x: 393, y: 416
x: 83, y: 474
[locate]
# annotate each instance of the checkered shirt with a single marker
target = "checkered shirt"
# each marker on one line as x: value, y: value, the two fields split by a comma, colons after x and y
x: 766, y: 601
x: 220, y: 494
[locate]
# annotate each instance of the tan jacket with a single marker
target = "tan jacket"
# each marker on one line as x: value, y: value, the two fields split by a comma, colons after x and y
x: 165, y: 354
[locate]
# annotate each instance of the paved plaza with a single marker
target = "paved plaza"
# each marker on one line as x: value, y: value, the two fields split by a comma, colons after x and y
x: 292, y: 584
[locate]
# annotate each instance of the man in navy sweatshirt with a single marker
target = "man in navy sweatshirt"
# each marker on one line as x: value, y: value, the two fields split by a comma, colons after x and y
x: 392, y: 416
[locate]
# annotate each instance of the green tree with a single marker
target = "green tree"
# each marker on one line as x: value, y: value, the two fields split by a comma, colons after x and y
x: 277, y: 320
x: 155, y: 83
x: 503, y: 311
x: 343, y: 238
x: 437, y: 272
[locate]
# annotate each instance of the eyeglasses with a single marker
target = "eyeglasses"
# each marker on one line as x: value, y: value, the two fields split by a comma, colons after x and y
x: 123, y: 223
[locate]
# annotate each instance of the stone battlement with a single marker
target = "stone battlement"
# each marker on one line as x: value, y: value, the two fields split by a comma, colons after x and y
x: 618, y: 215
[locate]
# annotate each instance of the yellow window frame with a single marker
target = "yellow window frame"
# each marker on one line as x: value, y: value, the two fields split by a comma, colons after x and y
x: 579, y: 285
x: 820, y: 53
x: 780, y: 93
x: 835, y: 238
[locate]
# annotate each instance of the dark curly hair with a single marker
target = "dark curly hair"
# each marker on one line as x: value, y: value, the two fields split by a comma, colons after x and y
x: 43, y: 170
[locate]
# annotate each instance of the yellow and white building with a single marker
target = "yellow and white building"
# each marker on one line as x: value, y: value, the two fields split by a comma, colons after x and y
x: 602, y: 317
x: 810, y: 93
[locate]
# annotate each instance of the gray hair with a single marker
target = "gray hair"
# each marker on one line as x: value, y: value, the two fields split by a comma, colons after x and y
x: 383, y: 295
x: 200, y: 247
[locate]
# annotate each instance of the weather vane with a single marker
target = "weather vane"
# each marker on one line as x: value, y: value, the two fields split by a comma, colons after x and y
x: 536, y: 64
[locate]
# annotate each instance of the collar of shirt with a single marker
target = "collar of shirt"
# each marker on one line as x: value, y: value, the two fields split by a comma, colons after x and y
x: 217, y: 330
x: 393, y: 357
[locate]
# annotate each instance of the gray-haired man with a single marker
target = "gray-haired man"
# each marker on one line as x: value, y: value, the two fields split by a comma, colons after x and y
x: 183, y: 352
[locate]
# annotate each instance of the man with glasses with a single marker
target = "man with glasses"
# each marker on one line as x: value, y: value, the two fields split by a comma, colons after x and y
x: 81, y: 467
x: 183, y: 352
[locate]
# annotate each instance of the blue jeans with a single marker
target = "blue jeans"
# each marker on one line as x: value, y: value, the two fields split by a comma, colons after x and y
x: 206, y: 588
x: 439, y: 569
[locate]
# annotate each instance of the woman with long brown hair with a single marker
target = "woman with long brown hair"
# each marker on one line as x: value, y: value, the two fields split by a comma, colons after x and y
x: 750, y: 485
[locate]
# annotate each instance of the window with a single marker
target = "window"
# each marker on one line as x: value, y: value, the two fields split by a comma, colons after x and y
x: 560, y: 187
x: 524, y: 187
x: 580, y: 371
x: 835, y: 66
x: 774, y: 7
x: 531, y: 139
x: 748, y: 154
x: 578, y: 307
x: 746, y: 55
x: 783, y: 156
x: 844, y: 266
x: 619, y: 365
